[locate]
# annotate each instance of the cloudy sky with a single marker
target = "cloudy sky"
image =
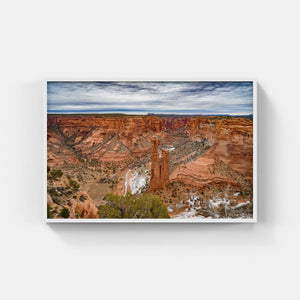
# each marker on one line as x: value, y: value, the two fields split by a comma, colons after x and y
x: 198, y: 97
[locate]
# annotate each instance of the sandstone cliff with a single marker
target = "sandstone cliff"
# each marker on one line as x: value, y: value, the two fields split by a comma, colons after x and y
x: 196, y: 151
x: 160, y: 168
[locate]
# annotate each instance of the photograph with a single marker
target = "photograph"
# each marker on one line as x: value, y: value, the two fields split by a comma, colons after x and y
x: 151, y: 151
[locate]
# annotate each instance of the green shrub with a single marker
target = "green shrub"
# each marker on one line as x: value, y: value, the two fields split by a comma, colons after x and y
x: 65, y: 213
x: 55, y: 174
x: 129, y: 206
x: 52, y: 191
x: 82, y: 198
x: 74, y: 184
x: 54, y: 195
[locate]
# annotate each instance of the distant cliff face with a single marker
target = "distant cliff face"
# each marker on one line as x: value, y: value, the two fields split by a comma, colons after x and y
x: 208, y: 150
x: 107, y: 138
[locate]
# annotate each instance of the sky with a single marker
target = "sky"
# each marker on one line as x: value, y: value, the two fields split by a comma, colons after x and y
x: 137, y: 97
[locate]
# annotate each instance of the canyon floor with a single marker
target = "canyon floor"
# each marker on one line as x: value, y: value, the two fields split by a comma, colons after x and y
x: 90, y: 156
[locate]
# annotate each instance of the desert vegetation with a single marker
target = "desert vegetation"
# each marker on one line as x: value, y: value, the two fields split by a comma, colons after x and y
x: 130, y: 206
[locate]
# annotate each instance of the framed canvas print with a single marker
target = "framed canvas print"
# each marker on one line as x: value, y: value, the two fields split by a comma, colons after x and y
x: 150, y: 151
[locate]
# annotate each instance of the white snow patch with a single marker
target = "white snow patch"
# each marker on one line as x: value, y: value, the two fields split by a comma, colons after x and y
x: 191, y: 214
x: 217, y: 202
x: 193, y: 198
x: 137, y: 182
x: 194, y: 206
x: 170, y: 209
x: 241, y: 204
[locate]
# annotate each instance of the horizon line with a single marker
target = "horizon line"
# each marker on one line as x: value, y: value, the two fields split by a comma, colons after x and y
x: 146, y: 114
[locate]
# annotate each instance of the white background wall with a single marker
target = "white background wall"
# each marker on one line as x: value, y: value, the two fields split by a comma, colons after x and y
x: 149, y: 40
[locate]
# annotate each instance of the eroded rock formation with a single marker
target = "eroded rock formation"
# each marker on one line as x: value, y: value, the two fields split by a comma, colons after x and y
x: 85, y: 207
x: 160, y: 168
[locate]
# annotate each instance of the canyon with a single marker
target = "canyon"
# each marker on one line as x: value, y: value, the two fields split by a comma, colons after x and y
x: 191, y: 162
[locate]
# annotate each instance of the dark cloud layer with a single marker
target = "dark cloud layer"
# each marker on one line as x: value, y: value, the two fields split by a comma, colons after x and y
x: 196, y: 97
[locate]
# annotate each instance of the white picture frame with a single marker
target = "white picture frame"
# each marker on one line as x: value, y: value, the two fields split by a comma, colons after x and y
x: 206, y: 220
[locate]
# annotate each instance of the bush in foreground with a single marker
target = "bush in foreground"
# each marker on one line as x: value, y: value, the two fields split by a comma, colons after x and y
x: 55, y: 174
x: 145, y: 207
x: 65, y: 213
